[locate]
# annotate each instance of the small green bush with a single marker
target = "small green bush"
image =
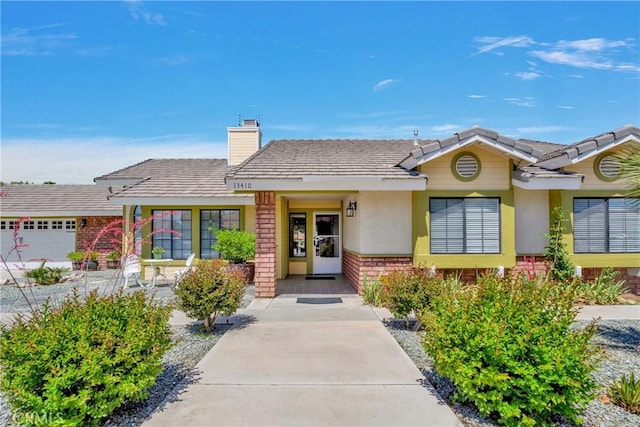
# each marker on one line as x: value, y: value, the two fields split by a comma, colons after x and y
x: 78, y: 362
x: 372, y: 291
x: 210, y: 290
x: 406, y: 291
x: 626, y: 393
x: 46, y: 275
x: 509, y: 348
x: 562, y: 269
x: 234, y: 245
x: 602, y: 290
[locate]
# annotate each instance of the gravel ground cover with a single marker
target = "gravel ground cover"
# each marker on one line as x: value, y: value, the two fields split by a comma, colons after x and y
x: 619, y: 340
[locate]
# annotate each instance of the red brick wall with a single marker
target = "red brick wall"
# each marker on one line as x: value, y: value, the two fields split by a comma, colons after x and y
x: 265, y: 277
x: 355, y: 267
x: 86, y: 236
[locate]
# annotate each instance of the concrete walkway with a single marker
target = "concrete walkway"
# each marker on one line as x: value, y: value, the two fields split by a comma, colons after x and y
x: 302, y: 364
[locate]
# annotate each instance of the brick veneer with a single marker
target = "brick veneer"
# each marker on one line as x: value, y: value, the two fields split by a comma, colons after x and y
x: 354, y: 267
x: 265, y: 259
x: 86, y: 235
x: 539, y: 264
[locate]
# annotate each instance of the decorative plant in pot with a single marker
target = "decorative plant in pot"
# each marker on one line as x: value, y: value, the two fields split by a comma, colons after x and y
x: 76, y: 259
x: 91, y: 260
x: 237, y: 247
x: 113, y: 260
x: 157, y: 252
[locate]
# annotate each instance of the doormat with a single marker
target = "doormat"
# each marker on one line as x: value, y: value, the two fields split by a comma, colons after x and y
x: 322, y: 300
x: 319, y: 278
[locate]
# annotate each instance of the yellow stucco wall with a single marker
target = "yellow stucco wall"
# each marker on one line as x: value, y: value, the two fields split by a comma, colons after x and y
x: 495, y: 171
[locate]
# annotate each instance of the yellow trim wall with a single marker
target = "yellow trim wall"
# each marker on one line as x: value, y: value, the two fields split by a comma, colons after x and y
x: 599, y: 259
x: 247, y: 222
x: 421, y: 253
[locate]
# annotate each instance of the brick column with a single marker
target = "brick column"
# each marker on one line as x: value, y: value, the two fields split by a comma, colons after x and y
x: 265, y: 278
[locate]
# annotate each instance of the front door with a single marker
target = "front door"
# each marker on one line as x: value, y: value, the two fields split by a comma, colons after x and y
x: 327, y: 254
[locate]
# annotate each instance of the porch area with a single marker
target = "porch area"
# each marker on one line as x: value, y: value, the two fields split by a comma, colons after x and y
x: 330, y: 284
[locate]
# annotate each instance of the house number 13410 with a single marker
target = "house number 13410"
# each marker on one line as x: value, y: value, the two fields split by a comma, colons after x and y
x: 241, y: 185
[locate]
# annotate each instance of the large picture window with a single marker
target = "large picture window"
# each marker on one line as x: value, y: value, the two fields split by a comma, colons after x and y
x: 216, y: 219
x: 465, y: 225
x: 606, y: 225
x: 176, y: 244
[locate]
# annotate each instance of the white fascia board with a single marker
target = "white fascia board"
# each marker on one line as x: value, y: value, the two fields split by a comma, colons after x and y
x: 327, y: 183
x: 412, y: 162
x: 564, y: 160
x: 185, y: 201
x: 70, y: 214
x: 573, y: 183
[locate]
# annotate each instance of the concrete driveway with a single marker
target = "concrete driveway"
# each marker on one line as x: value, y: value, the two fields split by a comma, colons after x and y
x: 301, y: 363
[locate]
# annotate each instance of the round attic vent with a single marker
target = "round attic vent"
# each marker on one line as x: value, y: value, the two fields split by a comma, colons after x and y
x: 608, y: 167
x: 467, y: 166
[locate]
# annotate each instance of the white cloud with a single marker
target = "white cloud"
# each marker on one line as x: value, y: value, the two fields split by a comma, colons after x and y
x: 446, y: 128
x: 139, y: 11
x: 574, y: 59
x: 522, y: 102
x: 384, y: 84
x: 35, y: 41
x: 592, y: 44
x: 477, y: 96
x: 567, y: 107
x: 528, y: 75
x: 489, y: 43
x: 79, y: 160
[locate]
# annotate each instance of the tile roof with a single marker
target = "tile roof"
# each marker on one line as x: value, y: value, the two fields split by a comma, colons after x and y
x: 527, y: 173
x: 525, y: 146
x: 591, y: 143
x: 173, y: 178
x: 294, y: 159
x: 56, y: 199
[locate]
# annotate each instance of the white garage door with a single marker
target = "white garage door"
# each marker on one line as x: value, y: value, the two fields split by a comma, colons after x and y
x: 52, y: 239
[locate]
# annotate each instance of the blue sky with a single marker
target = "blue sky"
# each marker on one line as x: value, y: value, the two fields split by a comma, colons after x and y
x: 91, y: 87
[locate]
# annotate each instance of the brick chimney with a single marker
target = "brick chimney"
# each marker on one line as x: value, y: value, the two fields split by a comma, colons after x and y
x: 243, y: 141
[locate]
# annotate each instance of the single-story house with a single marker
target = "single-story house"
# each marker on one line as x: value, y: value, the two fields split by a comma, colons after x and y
x: 59, y: 219
x: 469, y: 203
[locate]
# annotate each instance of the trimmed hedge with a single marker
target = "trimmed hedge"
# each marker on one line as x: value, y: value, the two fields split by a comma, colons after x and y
x: 509, y: 348
x: 73, y: 365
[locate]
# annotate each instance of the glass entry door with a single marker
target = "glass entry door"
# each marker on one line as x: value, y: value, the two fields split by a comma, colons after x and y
x: 327, y: 255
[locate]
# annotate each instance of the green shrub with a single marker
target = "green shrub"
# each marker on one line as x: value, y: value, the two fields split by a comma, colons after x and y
x: 80, y: 361
x: 602, y: 290
x: 626, y: 393
x: 46, y: 275
x: 372, y: 291
x: 562, y: 269
x: 406, y: 291
x: 234, y: 245
x: 210, y: 290
x: 509, y: 348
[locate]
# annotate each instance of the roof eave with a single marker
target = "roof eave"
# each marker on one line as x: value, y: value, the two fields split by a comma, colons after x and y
x: 549, y: 183
x: 232, y: 200
x: 412, y: 161
x: 328, y: 183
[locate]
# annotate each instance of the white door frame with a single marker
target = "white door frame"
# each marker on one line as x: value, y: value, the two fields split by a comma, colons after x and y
x: 323, y: 264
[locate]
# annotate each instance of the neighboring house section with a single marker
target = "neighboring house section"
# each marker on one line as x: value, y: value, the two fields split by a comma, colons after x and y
x: 61, y: 219
x: 474, y: 202
x: 187, y: 196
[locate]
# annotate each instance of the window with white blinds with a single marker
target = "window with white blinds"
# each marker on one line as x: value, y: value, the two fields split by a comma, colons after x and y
x: 465, y: 225
x: 606, y: 225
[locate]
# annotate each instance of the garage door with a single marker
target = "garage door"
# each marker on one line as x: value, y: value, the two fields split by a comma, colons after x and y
x: 52, y: 239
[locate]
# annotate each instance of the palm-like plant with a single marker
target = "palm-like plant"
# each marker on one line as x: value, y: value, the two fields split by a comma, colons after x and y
x: 630, y: 164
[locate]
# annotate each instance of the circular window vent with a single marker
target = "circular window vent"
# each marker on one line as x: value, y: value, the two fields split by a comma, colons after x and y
x: 609, y: 167
x: 467, y: 166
